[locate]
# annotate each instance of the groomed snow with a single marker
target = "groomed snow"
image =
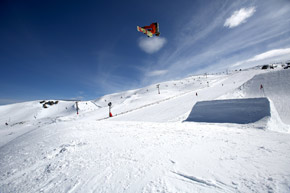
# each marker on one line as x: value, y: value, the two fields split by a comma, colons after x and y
x: 147, y: 146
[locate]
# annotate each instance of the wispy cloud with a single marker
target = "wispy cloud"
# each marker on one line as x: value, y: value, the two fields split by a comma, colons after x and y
x: 157, y: 72
x: 151, y: 45
x: 270, y: 54
x: 78, y: 98
x: 266, y: 57
x: 239, y: 17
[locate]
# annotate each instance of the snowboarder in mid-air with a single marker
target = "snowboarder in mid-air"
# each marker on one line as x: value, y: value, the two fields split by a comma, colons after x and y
x: 150, y: 30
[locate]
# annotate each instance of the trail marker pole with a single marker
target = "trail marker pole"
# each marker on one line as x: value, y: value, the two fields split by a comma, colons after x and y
x: 110, y: 106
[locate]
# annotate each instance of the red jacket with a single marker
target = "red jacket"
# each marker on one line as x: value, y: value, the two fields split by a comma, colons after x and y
x: 151, y: 28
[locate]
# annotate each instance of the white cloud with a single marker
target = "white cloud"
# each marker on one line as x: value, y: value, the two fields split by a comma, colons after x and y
x: 270, y: 54
x: 276, y: 54
x: 157, y: 72
x: 152, y: 45
x: 239, y: 17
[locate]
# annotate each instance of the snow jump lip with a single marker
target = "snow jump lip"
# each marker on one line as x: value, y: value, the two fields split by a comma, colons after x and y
x: 240, y: 111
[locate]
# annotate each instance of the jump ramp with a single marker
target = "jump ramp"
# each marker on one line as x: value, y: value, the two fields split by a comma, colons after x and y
x: 240, y: 111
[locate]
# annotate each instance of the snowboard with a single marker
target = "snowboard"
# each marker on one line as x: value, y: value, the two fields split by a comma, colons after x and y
x: 148, y: 33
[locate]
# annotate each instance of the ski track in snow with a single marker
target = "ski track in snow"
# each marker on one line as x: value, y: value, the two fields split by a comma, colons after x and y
x: 146, y: 147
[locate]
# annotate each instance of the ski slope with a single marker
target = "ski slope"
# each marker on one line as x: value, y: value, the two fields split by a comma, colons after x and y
x: 179, y: 107
x: 147, y: 146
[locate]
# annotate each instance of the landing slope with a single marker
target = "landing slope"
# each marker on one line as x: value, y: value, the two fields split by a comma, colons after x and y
x: 275, y: 86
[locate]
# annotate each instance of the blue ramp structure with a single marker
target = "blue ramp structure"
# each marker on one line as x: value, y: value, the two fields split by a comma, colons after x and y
x: 241, y: 111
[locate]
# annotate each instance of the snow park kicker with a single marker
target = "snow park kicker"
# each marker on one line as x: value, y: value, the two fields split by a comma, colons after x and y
x: 241, y: 111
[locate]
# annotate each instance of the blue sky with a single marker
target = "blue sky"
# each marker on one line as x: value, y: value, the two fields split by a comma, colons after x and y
x: 86, y: 49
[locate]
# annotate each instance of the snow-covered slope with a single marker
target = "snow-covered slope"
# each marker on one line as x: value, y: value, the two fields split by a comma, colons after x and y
x: 174, y: 102
x: 29, y: 111
x: 146, y: 146
x: 82, y: 156
x: 178, y: 107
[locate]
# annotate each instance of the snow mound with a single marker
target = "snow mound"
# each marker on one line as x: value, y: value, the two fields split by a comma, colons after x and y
x: 241, y: 111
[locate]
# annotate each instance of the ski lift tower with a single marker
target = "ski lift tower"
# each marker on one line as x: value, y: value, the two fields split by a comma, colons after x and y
x: 77, y: 107
x: 158, y: 88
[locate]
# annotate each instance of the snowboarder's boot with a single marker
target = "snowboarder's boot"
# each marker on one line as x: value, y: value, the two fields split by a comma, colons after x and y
x: 157, y: 33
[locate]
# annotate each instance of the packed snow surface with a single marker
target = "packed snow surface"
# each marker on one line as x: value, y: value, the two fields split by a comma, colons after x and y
x: 147, y: 146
